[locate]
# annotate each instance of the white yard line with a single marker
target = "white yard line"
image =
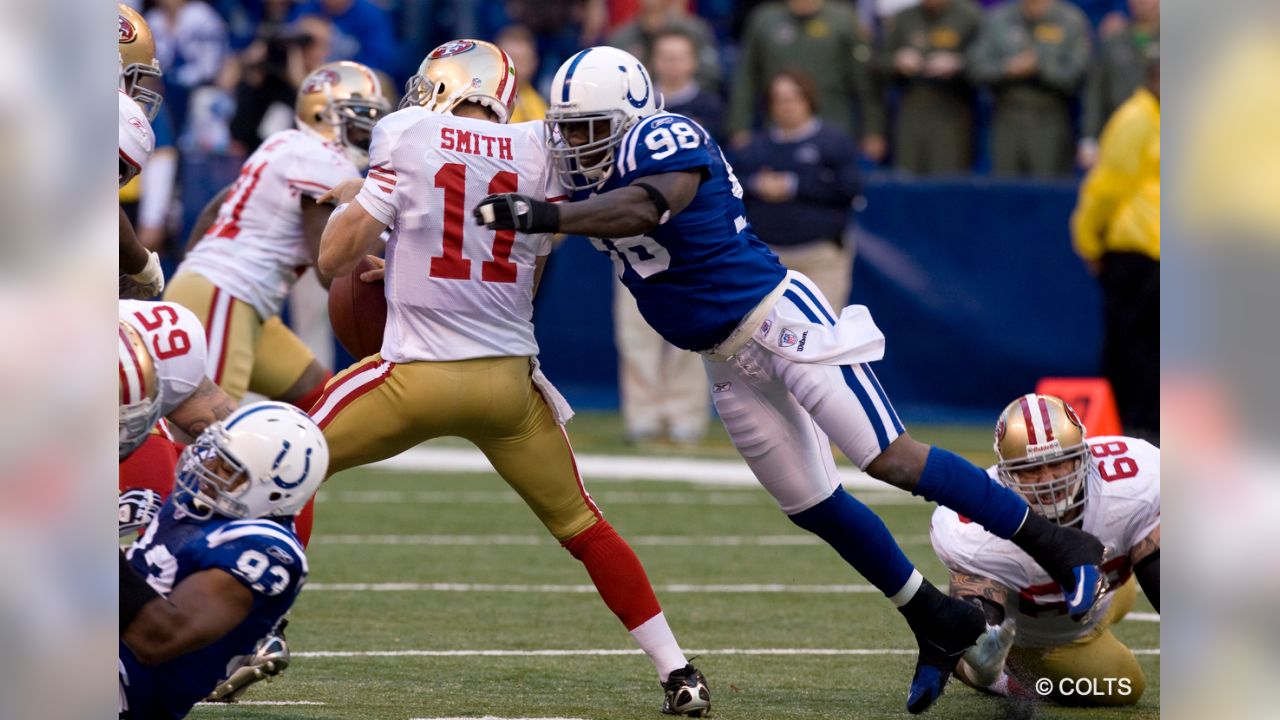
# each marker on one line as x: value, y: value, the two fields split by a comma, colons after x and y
x: 1143, y: 617
x: 547, y: 540
x: 628, y: 651
x: 605, y: 497
x: 256, y: 702
x: 515, y: 588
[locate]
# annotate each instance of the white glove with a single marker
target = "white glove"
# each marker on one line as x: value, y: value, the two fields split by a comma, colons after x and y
x: 138, y: 507
x: 146, y: 283
x: 986, y: 658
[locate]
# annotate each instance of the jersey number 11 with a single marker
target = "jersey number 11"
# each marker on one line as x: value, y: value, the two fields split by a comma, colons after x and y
x: 452, y: 178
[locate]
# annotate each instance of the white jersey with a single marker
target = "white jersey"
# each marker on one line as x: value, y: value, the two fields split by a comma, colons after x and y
x: 455, y: 290
x: 137, y: 140
x: 1122, y: 508
x: 255, y: 250
x: 175, y: 339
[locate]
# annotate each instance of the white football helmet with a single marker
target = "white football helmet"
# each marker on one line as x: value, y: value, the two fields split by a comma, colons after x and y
x: 139, y: 389
x: 597, y: 84
x: 264, y: 459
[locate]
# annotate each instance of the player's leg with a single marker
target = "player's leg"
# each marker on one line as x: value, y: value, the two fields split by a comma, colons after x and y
x: 686, y: 403
x: 285, y: 368
x: 531, y: 451
x: 231, y: 330
x: 640, y: 379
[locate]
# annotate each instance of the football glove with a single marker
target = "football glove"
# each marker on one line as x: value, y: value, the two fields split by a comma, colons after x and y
x: 512, y: 211
x: 138, y: 507
x: 146, y: 283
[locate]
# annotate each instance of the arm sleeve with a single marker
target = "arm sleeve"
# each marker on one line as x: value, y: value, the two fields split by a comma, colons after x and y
x: 379, y: 195
x: 660, y: 145
x: 315, y: 174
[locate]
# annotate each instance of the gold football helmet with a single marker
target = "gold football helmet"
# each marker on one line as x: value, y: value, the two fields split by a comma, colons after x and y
x: 462, y: 70
x: 1043, y: 455
x: 341, y: 102
x: 139, y: 390
x: 138, y: 60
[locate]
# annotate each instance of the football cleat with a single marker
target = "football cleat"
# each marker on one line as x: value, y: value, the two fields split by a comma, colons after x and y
x: 686, y: 693
x: 269, y: 658
x: 942, y: 640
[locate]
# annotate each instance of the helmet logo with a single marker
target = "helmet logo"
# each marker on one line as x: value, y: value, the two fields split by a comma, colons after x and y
x: 634, y: 102
x: 319, y: 80
x: 306, y: 468
x: 476, y: 82
x: 451, y: 48
x: 1001, y: 429
x: 128, y: 33
x: 1071, y: 414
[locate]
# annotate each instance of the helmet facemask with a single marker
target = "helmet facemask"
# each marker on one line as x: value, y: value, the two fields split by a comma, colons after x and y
x: 1060, y: 499
x: 359, y: 114
x: 211, y: 478
x: 134, y: 84
x: 433, y: 98
x: 136, y: 421
x: 588, y: 165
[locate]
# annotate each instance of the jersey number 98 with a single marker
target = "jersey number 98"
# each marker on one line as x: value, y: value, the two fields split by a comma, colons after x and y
x: 664, y: 141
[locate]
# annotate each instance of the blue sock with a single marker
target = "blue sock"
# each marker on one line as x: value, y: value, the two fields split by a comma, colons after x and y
x: 954, y: 482
x: 860, y: 537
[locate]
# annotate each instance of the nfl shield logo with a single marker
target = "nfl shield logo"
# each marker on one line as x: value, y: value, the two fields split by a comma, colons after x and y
x: 764, y: 328
x: 787, y: 338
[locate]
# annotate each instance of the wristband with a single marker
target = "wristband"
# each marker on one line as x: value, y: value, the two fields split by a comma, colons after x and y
x: 660, y: 202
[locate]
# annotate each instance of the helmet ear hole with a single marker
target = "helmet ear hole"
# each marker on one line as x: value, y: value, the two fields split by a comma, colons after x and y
x: 273, y: 497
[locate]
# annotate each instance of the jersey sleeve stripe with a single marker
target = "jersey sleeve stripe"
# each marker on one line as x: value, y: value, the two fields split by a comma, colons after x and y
x: 249, y: 528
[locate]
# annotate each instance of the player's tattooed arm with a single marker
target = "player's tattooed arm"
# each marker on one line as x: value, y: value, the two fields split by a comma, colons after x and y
x: 1145, y: 557
x: 205, y: 220
x: 630, y: 210
x: 986, y: 593
x: 207, y: 405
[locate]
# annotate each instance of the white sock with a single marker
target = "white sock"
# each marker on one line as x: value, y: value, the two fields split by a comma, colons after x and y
x: 655, y: 638
x: 908, y: 590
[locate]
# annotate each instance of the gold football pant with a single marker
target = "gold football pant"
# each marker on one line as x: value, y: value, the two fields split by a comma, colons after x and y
x: 1098, y: 668
x: 377, y: 409
x: 246, y: 353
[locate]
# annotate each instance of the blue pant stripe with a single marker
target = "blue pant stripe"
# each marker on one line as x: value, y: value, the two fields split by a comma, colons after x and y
x: 884, y: 399
x: 804, y: 308
x: 868, y: 407
x: 822, y: 308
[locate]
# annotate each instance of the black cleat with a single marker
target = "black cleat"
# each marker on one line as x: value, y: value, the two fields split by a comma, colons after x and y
x: 945, y: 628
x: 686, y: 693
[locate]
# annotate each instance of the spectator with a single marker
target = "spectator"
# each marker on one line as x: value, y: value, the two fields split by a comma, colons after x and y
x: 362, y: 31
x: 674, y: 64
x: 823, y: 39
x: 518, y: 42
x: 924, y: 52
x: 800, y: 177
x: 273, y: 66
x: 1033, y: 54
x: 191, y: 45
x: 1115, y: 73
x: 563, y: 27
x: 658, y: 16
x: 1116, y: 228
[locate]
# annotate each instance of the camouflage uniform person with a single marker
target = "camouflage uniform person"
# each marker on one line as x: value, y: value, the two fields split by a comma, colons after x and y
x: 1033, y: 54
x: 1116, y: 72
x: 924, y: 51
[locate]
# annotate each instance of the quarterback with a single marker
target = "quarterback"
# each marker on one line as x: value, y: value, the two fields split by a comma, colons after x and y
x: 140, y: 273
x: 219, y: 566
x: 1108, y: 486
x: 789, y: 373
x: 162, y: 380
x: 458, y: 354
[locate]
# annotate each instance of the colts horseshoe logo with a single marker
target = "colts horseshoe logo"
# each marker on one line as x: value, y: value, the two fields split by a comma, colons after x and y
x: 306, y: 468
x: 634, y: 102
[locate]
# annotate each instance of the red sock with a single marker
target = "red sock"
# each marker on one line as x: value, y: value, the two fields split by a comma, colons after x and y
x: 306, y: 402
x: 619, y: 577
x: 151, y: 466
x: 303, y: 521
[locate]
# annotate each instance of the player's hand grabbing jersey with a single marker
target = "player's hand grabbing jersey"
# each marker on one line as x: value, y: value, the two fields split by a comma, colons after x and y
x: 262, y: 554
x: 255, y: 249
x: 698, y: 275
x: 1122, y: 509
x: 455, y: 290
x: 176, y: 341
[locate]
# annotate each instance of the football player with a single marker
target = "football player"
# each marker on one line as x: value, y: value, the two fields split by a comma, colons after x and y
x: 162, y: 375
x: 790, y: 374
x: 1110, y: 487
x: 459, y: 354
x: 220, y: 565
x: 140, y: 273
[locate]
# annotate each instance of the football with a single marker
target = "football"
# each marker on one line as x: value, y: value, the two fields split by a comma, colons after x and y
x: 358, y: 311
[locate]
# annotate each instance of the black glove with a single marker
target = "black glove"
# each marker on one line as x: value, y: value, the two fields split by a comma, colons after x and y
x: 512, y: 211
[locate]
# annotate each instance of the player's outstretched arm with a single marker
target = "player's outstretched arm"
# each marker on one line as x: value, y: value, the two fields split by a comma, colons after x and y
x: 625, y: 212
x: 1145, y: 557
x: 206, y: 406
x: 351, y: 234
x: 201, y: 609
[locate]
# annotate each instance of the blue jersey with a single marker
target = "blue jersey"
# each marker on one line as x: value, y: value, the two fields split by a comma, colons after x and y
x: 698, y: 275
x: 263, y: 554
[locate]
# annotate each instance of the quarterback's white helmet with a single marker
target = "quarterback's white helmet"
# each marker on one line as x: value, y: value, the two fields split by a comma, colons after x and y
x: 597, y: 85
x: 264, y: 459
x: 139, y: 389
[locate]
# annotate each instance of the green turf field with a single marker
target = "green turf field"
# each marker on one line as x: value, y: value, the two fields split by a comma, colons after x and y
x: 468, y: 529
